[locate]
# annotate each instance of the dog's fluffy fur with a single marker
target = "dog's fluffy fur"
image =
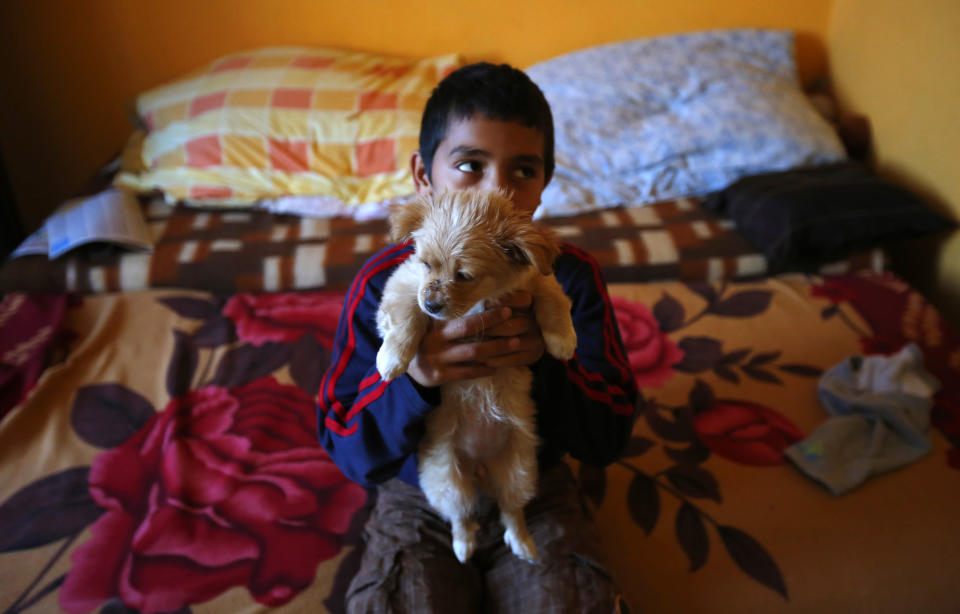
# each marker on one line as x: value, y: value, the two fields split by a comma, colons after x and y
x: 471, y: 249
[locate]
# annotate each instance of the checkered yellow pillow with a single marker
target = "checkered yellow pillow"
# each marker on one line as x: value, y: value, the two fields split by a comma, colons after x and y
x: 285, y: 121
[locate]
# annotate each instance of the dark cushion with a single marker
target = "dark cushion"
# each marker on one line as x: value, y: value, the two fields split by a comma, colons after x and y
x: 806, y: 217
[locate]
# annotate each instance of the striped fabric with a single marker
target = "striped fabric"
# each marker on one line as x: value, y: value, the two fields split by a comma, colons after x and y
x: 285, y: 121
x: 254, y: 250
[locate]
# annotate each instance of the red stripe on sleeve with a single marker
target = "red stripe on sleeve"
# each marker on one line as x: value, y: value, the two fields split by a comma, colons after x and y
x: 367, y: 399
x: 612, y: 350
x: 604, y: 397
x: 339, y: 429
x: 355, y: 295
x: 369, y: 380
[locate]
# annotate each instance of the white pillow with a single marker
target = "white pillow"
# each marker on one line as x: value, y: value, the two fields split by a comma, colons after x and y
x: 652, y: 119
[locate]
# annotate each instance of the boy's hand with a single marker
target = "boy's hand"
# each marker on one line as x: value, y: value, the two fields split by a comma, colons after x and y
x: 474, y: 346
x: 520, y: 325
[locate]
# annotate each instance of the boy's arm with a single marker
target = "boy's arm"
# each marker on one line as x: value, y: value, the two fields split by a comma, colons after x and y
x: 369, y: 427
x: 587, y: 405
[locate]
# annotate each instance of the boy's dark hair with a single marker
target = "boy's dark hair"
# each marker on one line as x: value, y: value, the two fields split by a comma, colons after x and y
x: 499, y: 92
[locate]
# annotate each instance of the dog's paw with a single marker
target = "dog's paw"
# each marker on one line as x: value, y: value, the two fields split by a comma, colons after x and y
x: 465, y: 540
x: 521, y: 545
x: 464, y: 548
x: 390, y: 364
x: 562, y: 345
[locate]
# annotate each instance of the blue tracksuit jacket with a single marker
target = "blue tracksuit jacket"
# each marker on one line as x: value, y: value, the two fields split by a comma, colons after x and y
x: 371, y: 428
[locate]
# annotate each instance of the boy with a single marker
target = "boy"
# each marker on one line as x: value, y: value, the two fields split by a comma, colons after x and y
x: 486, y: 127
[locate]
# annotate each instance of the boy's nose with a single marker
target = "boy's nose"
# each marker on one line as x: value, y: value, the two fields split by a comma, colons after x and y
x: 496, y: 179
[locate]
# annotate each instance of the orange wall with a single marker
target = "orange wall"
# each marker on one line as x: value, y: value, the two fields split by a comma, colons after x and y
x: 71, y: 69
x: 899, y: 64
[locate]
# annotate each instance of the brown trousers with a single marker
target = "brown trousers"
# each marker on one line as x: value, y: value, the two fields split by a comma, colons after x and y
x: 409, y: 564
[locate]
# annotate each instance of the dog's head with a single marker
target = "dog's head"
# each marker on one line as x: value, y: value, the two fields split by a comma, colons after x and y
x: 470, y: 246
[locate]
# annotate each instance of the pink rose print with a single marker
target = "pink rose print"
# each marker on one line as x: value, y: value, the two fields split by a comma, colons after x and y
x: 834, y: 291
x: 223, y: 488
x: 745, y: 432
x: 880, y: 345
x: 30, y: 334
x: 953, y: 458
x: 650, y: 351
x: 285, y: 317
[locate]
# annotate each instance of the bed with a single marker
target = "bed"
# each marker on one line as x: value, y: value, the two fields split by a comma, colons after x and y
x: 157, y: 410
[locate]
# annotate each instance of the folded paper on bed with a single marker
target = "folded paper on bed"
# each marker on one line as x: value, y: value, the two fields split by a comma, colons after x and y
x: 110, y: 216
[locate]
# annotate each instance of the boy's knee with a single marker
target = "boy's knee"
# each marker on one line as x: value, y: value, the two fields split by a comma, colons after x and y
x: 410, y: 581
x: 559, y: 584
x: 597, y: 590
x: 373, y: 586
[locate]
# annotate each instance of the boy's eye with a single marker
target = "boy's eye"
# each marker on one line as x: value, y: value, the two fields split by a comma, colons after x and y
x: 469, y: 166
x: 462, y: 276
x: 525, y: 172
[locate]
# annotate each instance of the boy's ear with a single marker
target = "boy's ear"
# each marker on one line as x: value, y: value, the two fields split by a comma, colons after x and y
x: 405, y: 219
x: 528, y: 244
x: 421, y: 181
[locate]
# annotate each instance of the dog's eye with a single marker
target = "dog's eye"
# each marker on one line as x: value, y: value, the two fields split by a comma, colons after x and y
x: 461, y: 276
x: 426, y: 264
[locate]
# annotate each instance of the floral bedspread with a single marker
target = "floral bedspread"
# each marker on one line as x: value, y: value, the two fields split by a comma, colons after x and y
x: 167, y: 462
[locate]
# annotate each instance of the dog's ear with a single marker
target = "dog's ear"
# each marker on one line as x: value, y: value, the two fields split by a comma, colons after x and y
x: 530, y: 244
x: 406, y: 218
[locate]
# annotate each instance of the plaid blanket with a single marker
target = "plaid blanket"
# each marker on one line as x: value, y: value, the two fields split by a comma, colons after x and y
x: 255, y: 250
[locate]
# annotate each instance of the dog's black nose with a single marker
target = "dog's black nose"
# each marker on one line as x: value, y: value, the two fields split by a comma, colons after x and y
x: 433, y: 306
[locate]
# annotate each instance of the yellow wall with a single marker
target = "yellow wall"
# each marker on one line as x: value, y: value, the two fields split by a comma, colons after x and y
x: 898, y: 63
x: 70, y: 69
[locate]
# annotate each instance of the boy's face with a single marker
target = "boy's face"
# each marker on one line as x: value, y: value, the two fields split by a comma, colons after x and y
x: 483, y: 153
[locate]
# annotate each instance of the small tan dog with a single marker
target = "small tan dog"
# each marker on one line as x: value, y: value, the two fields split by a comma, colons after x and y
x: 471, y: 249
